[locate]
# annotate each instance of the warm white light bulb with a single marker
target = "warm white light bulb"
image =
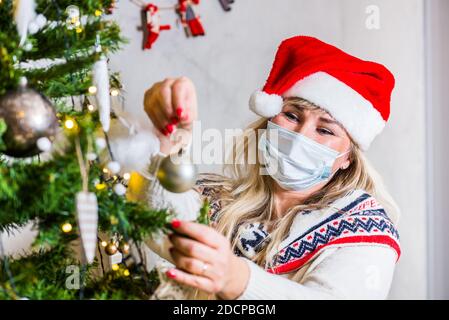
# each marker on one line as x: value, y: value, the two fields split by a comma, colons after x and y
x: 114, y: 92
x: 92, y: 89
x: 69, y: 124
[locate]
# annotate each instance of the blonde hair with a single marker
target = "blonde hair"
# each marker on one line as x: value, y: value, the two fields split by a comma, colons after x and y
x: 248, y: 196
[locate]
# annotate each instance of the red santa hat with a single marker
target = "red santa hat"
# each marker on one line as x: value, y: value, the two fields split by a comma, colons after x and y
x: 355, y: 92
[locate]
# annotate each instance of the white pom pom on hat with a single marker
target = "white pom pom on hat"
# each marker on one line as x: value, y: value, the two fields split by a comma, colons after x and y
x: 355, y: 92
x: 264, y: 104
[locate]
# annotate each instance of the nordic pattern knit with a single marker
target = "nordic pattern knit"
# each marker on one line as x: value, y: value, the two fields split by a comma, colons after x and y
x: 349, y: 251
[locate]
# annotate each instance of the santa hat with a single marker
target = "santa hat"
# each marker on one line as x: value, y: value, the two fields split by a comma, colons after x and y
x: 355, y: 92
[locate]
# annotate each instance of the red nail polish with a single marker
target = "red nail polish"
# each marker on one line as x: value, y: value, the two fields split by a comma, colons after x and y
x: 174, y: 120
x: 170, y: 273
x: 175, y: 223
x: 179, y: 111
x: 169, y: 127
x: 165, y: 132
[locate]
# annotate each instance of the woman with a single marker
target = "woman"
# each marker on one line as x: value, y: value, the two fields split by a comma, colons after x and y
x: 320, y: 224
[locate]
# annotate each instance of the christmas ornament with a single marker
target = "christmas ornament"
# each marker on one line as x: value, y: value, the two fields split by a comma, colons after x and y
x: 44, y: 144
x: 151, y: 25
x: 29, y: 116
x: 100, y: 143
x: 73, y: 17
x: 28, y: 46
x: 176, y: 173
x: 113, y: 167
x: 226, y: 4
x: 123, y: 247
x: 24, y: 13
x: 101, y: 81
x: 119, y: 189
x: 111, y: 248
x: 91, y: 156
x: 189, y: 20
x: 87, y: 217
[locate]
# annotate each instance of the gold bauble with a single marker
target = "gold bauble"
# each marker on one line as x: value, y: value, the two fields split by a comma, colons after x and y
x: 178, y: 174
x: 111, y: 248
x: 123, y: 247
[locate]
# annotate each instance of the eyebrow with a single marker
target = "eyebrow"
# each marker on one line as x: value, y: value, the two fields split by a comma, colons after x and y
x: 326, y: 120
x: 330, y: 121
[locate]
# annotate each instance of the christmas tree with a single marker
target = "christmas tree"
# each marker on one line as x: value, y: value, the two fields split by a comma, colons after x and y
x: 54, y: 80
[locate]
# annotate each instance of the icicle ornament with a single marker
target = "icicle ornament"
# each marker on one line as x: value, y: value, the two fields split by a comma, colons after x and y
x: 101, y: 82
x: 24, y: 13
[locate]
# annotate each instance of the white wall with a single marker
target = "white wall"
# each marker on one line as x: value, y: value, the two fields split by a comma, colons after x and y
x: 234, y: 59
x: 437, y: 114
x: 399, y: 153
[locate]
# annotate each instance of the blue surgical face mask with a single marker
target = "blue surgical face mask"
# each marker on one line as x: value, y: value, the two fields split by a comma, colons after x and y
x: 294, y: 161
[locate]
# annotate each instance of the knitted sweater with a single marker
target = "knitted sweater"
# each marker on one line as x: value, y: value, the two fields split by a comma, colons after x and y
x: 348, y: 251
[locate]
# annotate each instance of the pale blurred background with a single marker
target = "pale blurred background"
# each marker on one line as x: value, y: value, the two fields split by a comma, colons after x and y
x: 234, y: 59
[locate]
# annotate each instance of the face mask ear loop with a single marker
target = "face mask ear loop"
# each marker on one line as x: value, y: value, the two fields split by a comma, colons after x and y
x: 341, y: 155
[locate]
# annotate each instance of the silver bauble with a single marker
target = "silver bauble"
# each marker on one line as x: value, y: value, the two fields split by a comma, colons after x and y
x: 177, y: 176
x: 29, y: 116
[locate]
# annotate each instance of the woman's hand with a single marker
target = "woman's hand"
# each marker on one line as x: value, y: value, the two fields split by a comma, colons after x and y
x: 225, y: 274
x: 172, y: 104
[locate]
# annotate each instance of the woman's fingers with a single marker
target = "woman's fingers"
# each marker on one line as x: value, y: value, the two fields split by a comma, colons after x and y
x: 199, y: 232
x: 179, y: 94
x: 192, y: 265
x: 183, y: 96
x: 202, y: 283
x: 170, y: 104
x: 167, y: 110
x: 193, y: 249
x: 155, y: 100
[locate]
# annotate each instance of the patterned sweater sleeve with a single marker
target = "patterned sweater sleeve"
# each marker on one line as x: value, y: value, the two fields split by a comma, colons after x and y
x: 208, y: 187
x: 351, y: 254
x: 359, y: 272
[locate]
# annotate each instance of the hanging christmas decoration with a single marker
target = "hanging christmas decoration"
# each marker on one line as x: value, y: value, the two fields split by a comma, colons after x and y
x: 24, y: 13
x: 119, y: 189
x: 123, y: 247
x: 113, y: 167
x: 44, y: 144
x: 189, y: 20
x: 151, y: 25
x: 111, y: 248
x: 87, y: 217
x: 73, y: 17
x: 29, y: 116
x: 175, y: 173
x: 101, y: 82
x: 100, y: 143
x: 226, y: 4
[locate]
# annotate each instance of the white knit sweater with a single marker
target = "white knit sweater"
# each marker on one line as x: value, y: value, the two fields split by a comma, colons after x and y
x: 347, y: 252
